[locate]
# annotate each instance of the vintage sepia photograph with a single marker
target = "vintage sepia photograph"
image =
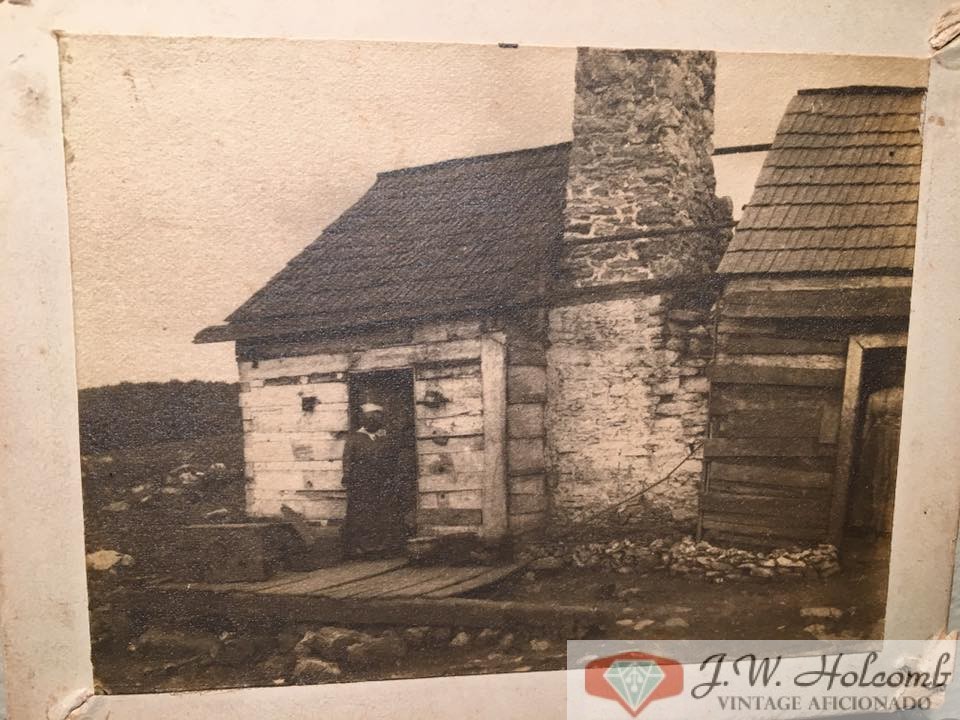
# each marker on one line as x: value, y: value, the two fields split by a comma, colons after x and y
x: 408, y: 360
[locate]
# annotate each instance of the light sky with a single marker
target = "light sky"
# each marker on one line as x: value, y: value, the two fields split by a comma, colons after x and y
x: 199, y: 167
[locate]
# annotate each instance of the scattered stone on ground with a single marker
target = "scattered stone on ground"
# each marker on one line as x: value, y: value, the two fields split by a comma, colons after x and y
x: 539, y: 645
x: 460, y: 639
x: 506, y: 641
x: 416, y: 637
x: 329, y: 643
x: 386, y: 649
x: 118, y: 506
x: 642, y: 624
x: 547, y: 562
x: 685, y: 557
x: 103, y: 560
x: 314, y: 670
x: 277, y: 666
x: 439, y: 635
x: 488, y: 636
x: 676, y: 622
x: 822, y: 612
x: 218, y: 513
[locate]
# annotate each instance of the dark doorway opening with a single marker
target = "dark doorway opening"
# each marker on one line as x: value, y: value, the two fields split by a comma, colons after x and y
x: 389, y: 514
x: 875, y: 449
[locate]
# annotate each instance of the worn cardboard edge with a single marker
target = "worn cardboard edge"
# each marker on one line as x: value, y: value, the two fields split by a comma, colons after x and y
x: 37, y: 289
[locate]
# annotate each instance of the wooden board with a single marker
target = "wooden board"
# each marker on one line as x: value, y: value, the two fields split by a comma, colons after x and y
x: 489, y: 577
x: 384, y: 583
x: 810, y: 511
x: 449, y: 517
x: 459, y: 499
x: 747, y: 527
x: 290, y: 395
x: 525, y: 420
x: 452, y: 426
x: 176, y: 603
x: 319, y: 581
x: 769, y: 475
x: 451, y: 576
x: 732, y: 398
x: 765, y: 447
x: 845, y: 303
x: 765, y: 345
x: 754, y: 375
x: 392, y: 583
x: 786, y: 423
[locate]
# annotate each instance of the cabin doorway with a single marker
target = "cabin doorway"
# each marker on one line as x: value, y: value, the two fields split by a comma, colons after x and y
x: 381, y: 507
x: 870, y: 436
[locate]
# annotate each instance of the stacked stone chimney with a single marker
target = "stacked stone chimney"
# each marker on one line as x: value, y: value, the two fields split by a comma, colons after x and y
x: 644, y: 231
x: 641, y: 161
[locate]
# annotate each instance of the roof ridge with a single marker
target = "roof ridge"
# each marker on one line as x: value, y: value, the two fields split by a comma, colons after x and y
x: 469, y: 160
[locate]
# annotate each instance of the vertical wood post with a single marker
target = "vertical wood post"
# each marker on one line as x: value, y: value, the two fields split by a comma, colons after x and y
x: 493, y: 371
x: 845, y: 441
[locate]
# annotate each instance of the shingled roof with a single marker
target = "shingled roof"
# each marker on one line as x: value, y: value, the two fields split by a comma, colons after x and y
x: 839, y: 188
x: 468, y: 235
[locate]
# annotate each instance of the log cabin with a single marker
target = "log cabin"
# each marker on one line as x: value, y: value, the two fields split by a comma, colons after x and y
x: 536, y: 321
x: 813, y: 316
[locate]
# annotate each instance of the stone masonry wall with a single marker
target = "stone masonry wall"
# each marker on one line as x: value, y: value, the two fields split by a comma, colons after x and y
x: 628, y: 394
x: 626, y: 384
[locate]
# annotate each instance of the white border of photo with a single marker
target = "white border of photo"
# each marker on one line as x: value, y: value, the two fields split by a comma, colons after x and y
x: 45, y: 636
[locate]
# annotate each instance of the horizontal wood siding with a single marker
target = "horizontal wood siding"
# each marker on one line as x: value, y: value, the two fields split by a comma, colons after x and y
x: 450, y: 444
x: 294, y: 455
x: 777, y: 385
x: 528, y: 501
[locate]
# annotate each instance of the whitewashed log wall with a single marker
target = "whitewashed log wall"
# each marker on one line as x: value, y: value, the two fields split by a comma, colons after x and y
x: 293, y: 456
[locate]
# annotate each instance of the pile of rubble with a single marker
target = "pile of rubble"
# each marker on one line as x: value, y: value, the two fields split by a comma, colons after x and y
x: 622, y: 556
x: 701, y: 559
x: 685, y: 557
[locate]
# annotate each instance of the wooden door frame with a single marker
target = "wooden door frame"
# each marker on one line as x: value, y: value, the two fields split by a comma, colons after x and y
x: 493, y: 375
x: 353, y: 408
x: 846, y: 440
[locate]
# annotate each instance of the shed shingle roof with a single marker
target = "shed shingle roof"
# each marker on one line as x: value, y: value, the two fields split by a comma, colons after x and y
x: 839, y: 188
x: 473, y: 234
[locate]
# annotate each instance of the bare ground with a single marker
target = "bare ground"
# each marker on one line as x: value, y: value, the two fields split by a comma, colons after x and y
x: 658, y: 606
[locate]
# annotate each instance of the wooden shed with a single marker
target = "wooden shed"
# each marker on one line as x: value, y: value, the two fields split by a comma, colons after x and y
x: 813, y: 320
x: 426, y: 296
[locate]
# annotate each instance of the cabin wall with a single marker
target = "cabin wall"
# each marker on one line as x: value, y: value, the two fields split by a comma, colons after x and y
x: 294, y: 457
x: 627, y: 397
x: 777, y: 391
x: 528, y: 489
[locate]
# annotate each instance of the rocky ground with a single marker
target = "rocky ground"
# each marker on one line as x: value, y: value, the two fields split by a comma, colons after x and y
x: 657, y: 588
x: 137, y: 657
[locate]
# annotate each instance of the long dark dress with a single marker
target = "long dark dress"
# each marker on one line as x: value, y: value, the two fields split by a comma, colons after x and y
x: 373, y: 521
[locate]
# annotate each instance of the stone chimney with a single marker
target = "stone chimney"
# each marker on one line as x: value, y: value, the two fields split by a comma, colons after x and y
x: 626, y: 384
x: 641, y: 161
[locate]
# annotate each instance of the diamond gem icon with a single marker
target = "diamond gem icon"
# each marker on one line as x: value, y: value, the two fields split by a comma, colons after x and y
x: 634, y: 680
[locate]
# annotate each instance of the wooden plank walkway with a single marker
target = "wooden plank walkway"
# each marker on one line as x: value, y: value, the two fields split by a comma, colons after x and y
x: 370, y: 592
x: 367, y: 579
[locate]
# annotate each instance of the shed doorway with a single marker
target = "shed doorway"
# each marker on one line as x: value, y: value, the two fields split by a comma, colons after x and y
x: 873, y: 470
x: 869, y: 437
x: 381, y: 505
